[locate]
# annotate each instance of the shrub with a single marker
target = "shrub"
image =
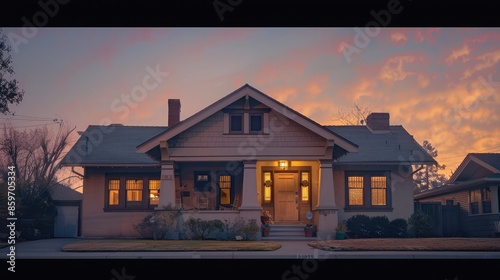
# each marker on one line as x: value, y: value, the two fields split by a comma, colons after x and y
x: 157, y: 224
x: 358, y: 226
x: 420, y: 224
x: 251, y: 230
x: 201, y: 229
x: 398, y: 228
x: 378, y: 226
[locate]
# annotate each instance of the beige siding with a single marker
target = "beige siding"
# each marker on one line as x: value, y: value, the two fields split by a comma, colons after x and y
x: 282, y: 133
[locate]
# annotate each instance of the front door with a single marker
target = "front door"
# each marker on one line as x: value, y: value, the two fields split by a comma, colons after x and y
x: 287, y: 197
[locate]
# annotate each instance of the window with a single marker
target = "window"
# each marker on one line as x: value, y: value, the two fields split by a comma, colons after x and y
x: 475, y: 197
x: 236, y: 123
x: 114, y: 192
x: 368, y: 190
x: 255, y: 123
x: 154, y: 192
x: 486, y: 200
x: 268, y: 184
x: 202, y: 181
x: 304, y: 182
x: 224, y: 189
x: 134, y: 190
x: 137, y: 192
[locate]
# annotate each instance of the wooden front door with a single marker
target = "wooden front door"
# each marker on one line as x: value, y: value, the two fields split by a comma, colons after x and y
x: 287, y: 197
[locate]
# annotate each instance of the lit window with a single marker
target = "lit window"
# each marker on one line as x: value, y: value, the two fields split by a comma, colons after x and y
x: 154, y: 192
x: 355, y: 187
x: 305, y: 186
x: 267, y: 186
x: 225, y: 189
x: 114, y: 191
x: 134, y: 190
x: 379, y: 188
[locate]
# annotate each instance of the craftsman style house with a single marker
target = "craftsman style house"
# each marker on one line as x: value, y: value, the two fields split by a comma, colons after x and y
x: 474, y: 188
x: 241, y: 155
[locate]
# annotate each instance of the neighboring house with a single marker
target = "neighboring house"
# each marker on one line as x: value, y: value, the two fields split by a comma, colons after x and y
x: 474, y: 187
x: 246, y: 149
x: 68, y: 204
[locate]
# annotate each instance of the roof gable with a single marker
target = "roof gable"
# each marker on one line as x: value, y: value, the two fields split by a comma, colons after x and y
x: 247, y: 91
x: 476, y: 165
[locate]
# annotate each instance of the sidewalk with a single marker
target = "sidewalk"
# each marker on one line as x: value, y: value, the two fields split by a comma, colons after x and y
x: 52, y: 249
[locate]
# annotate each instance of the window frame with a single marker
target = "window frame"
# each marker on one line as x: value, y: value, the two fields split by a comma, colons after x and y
x: 367, y: 204
x: 242, y: 123
x: 219, y: 189
x: 123, y: 204
x: 261, y: 116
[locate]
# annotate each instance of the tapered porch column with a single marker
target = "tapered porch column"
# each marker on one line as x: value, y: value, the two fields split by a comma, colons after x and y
x: 494, y: 200
x: 326, y: 210
x: 167, y: 186
x: 249, y: 199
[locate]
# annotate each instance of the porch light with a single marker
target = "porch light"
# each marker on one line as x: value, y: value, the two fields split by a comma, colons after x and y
x: 283, y: 164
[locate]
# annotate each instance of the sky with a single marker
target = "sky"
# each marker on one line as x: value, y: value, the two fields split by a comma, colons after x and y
x: 441, y: 84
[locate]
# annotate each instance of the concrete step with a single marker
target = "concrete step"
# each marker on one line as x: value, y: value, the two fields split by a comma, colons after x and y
x: 287, y: 232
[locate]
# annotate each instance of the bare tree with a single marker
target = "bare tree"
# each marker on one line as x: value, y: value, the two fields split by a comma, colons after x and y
x: 35, y: 156
x: 355, y: 115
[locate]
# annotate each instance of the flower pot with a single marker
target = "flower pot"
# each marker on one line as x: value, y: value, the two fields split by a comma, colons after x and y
x: 339, y: 235
x: 309, y: 231
x: 265, y: 231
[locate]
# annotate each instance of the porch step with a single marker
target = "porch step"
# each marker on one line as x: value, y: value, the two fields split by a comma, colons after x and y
x: 293, y: 232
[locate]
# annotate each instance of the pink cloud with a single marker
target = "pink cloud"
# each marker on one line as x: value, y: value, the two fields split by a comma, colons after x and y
x: 461, y: 53
x: 394, y: 68
x: 484, y: 61
x: 399, y: 38
x: 317, y: 84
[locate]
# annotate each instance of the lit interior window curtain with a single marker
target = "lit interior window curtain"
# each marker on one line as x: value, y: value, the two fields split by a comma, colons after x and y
x: 154, y: 192
x: 355, y: 186
x: 134, y: 190
x: 379, y: 190
x: 114, y: 191
x: 225, y: 189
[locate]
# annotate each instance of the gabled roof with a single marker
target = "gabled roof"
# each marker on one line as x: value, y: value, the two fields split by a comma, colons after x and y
x: 113, y: 145
x: 60, y: 192
x: 476, y: 165
x: 395, y: 147
x: 247, y: 90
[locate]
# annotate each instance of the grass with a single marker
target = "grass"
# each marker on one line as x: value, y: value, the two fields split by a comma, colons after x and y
x: 169, y: 245
x: 409, y: 244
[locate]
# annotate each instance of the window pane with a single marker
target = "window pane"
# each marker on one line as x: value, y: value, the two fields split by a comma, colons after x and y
x: 355, y: 186
x: 267, y: 186
x: 236, y: 123
x: 225, y: 196
x: 474, y: 208
x: 134, y: 190
x: 114, y: 189
x: 154, y: 194
x: 255, y: 123
x: 225, y: 189
x: 378, y: 187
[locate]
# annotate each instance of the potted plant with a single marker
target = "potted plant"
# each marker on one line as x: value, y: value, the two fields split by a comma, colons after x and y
x: 340, y: 231
x: 266, y: 218
x: 310, y: 230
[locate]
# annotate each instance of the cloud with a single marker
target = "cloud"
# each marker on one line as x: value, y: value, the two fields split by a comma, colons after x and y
x: 485, y: 61
x: 394, y: 70
x: 283, y: 95
x: 317, y: 84
x: 457, y: 54
x: 399, y: 38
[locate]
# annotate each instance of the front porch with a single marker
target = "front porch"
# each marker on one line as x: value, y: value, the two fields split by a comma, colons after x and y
x: 287, y: 189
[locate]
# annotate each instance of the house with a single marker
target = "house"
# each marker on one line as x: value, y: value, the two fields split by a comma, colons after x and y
x: 474, y: 188
x: 250, y: 150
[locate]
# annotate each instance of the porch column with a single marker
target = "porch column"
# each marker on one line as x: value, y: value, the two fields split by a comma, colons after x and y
x: 167, y: 186
x: 494, y: 200
x: 249, y: 199
x: 326, y: 210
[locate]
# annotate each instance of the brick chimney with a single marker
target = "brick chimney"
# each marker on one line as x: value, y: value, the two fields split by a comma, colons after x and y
x: 378, y: 122
x: 174, y: 111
